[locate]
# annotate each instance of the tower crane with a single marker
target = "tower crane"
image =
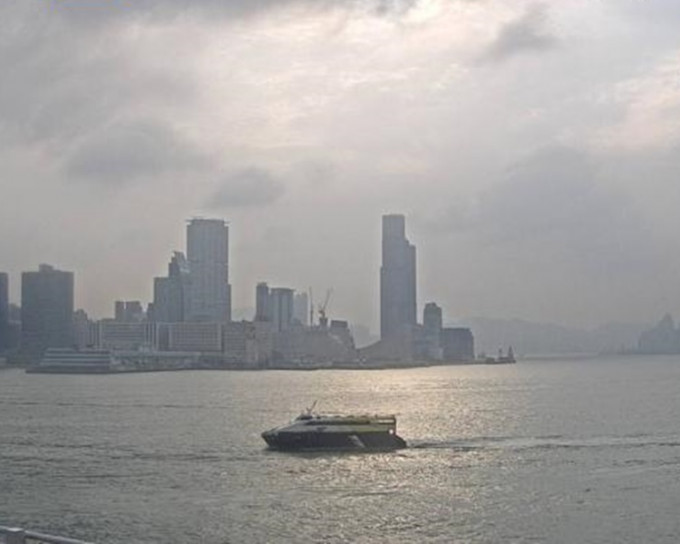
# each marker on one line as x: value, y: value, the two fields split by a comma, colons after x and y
x: 323, y: 320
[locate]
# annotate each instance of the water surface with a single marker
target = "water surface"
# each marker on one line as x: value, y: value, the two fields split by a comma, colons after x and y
x: 560, y: 451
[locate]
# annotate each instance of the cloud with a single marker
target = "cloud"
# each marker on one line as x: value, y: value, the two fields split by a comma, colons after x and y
x: 61, y: 80
x: 528, y: 33
x: 650, y: 106
x: 230, y: 9
x: 552, y: 193
x: 555, y: 205
x: 247, y: 188
x: 125, y: 153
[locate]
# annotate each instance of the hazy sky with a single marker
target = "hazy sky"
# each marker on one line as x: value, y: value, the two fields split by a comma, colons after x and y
x: 533, y: 146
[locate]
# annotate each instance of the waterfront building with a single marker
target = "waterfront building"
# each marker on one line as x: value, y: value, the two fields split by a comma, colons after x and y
x: 664, y: 338
x: 120, y: 335
x: 262, y: 310
x: 4, y: 311
x: 397, y: 279
x: 46, y: 310
x: 262, y: 343
x: 119, y: 310
x: 432, y: 327
x: 128, y: 311
x: 301, y: 308
x: 208, y: 256
x: 85, y: 331
x: 171, y: 293
x: 458, y: 344
x: 281, y: 308
x: 305, y: 347
x: 195, y: 336
x: 239, y: 344
x: 432, y: 319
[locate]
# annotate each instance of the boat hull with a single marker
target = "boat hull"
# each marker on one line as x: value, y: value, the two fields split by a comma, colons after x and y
x: 333, y: 441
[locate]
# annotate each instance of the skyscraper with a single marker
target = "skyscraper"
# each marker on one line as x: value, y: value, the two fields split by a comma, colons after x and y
x: 281, y: 308
x: 171, y: 293
x: 397, y: 279
x: 4, y: 311
x: 432, y: 320
x: 46, y: 310
x: 208, y: 255
x: 301, y: 308
x: 262, y: 310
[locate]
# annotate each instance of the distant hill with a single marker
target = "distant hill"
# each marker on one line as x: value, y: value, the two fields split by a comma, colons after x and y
x: 529, y: 338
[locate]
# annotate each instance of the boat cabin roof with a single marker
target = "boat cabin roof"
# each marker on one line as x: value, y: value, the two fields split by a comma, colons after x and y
x: 380, y: 419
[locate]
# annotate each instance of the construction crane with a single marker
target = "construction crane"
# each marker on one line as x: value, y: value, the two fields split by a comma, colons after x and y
x: 323, y: 320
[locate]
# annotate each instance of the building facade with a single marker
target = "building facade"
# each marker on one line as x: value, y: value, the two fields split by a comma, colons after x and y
x: 208, y: 257
x: 301, y: 308
x: 397, y: 279
x: 458, y: 344
x: 432, y: 328
x: 201, y: 337
x: 262, y: 311
x: 4, y: 311
x: 432, y: 319
x: 129, y: 311
x: 46, y: 310
x: 121, y: 335
x: 171, y: 294
x: 281, y: 308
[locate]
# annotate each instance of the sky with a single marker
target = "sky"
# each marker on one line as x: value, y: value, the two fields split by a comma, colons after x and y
x: 534, y: 148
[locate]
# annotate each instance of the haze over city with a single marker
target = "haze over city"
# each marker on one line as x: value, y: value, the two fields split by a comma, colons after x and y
x: 532, y: 145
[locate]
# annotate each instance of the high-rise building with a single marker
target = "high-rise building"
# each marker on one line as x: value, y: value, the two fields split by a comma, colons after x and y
x: 430, y: 341
x: 301, y: 308
x: 262, y: 310
x: 171, y: 294
x: 208, y: 255
x: 458, y: 344
x: 4, y: 311
x: 397, y: 279
x: 119, y: 310
x: 281, y: 308
x: 84, y: 330
x: 128, y: 311
x: 432, y: 320
x: 46, y: 310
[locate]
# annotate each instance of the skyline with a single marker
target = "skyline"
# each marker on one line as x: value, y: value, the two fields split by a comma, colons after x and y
x: 533, y: 148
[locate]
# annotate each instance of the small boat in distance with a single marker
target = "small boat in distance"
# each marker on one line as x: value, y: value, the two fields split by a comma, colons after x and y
x: 318, y: 432
x: 500, y: 360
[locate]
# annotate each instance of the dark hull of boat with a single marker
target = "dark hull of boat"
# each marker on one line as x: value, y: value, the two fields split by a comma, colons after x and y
x: 320, y: 441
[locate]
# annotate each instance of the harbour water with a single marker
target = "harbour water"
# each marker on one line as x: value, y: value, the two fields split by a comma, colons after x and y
x: 545, y: 451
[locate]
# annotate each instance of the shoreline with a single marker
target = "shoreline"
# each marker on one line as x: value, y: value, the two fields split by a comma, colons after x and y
x: 378, y: 365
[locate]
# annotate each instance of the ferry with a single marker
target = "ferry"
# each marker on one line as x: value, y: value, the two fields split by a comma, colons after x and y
x: 317, y: 432
x: 75, y: 361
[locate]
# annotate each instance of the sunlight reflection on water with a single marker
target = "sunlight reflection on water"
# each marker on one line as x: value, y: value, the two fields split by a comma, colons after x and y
x: 558, y: 452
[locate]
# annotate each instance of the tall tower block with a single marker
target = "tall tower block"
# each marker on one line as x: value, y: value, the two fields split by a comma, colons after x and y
x: 46, y: 310
x: 397, y: 279
x: 208, y: 257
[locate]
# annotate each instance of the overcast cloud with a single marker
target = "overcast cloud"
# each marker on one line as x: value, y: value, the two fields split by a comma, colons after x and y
x: 528, y: 33
x: 248, y: 187
x: 532, y: 145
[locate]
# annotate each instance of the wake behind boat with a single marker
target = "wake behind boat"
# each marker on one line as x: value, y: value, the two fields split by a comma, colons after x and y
x: 316, y: 432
